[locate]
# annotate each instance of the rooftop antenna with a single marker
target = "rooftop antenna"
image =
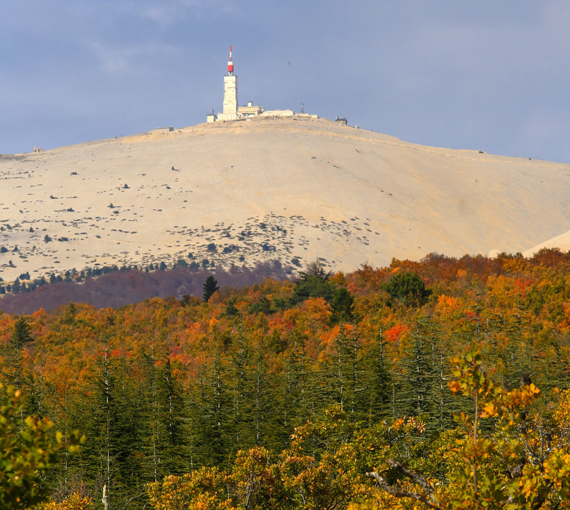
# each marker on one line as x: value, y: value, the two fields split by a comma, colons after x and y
x: 230, y: 63
x: 302, y: 107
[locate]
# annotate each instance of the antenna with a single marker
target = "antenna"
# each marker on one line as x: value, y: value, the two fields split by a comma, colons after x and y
x: 230, y: 63
x: 302, y: 107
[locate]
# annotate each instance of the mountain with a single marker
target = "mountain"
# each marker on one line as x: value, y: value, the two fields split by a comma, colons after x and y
x: 288, y: 189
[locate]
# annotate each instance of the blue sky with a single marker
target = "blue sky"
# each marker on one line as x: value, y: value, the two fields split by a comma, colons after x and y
x: 487, y: 75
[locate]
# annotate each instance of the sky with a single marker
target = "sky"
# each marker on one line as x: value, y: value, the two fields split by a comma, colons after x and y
x: 473, y: 74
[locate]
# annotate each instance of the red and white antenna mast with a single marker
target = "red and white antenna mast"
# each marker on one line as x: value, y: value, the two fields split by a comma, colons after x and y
x: 230, y: 64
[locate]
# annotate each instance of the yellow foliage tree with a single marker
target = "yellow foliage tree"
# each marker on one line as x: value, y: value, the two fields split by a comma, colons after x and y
x: 520, y: 459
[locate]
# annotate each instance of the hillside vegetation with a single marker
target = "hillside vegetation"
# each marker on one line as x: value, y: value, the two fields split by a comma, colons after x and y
x: 434, y: 384
x: 115, y: 287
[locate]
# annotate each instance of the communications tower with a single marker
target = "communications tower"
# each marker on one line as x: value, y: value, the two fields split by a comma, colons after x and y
x: 230, y: 111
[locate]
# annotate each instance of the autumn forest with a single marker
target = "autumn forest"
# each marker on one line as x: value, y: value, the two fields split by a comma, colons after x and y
x: 438, y: 384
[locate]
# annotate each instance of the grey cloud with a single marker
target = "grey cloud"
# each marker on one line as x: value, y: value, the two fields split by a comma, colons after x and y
x: 131, y: 59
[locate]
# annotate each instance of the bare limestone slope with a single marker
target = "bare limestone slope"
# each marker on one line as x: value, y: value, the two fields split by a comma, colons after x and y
x: 292, y: 189
x: 562, y: 242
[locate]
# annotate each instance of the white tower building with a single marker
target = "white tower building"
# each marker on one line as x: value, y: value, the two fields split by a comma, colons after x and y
x: 230, y: 111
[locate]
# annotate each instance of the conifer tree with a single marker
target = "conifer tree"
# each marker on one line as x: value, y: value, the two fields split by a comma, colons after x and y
x: 378, y: 380
x: 34, y: 393
x: 127, y: 433
x: 153, y: 431
x: 419, y: 376
x: 558, y: 364
x: 342, y: 305
x: 173, y: 417
x: 243, y: 393
x: 415, y: 392
x: 69, y: 413
x: 357, y: 393
x: 99, y: 451
x: 345, y: 375
x: 261, y: 401
x: 294, y: 394
x: 210, y: 286
x: 443, y: 402
x: 211, y: 411
x: 163, y: 415
x: 110, y: 455
x: 21, y: 336
x: 15, y: 372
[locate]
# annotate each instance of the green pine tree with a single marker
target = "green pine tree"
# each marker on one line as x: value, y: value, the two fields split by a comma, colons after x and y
x: 344, y: 379
x: 112, y: 455
x: 211, y: 410
x: 16, y: 374
x: 294, y: 394
x: 21, y: 336
x: 173, y: 420
x: 378, y: 380
x: 210, y: 286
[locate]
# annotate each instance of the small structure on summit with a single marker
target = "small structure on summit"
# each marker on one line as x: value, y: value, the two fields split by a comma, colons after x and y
x: 231, y: 108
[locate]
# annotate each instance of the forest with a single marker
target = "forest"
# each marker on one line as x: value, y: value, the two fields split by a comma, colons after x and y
x: 113, y: 286
x: 442, y: 384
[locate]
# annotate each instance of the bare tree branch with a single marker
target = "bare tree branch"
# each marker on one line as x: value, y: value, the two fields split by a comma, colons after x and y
x: 427, y: 498
x: 420, y: 480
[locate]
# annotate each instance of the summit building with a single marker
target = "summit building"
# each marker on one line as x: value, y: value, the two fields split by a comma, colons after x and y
x: 231, y: 108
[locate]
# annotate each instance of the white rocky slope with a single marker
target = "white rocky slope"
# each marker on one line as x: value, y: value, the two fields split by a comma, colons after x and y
x: 265, y: 189
x: 562, y: 242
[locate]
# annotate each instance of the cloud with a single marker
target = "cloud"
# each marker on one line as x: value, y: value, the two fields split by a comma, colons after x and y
x: 168, y: 14
x: 130, y: 59
x: 216, y: 7
x: 162, y: 15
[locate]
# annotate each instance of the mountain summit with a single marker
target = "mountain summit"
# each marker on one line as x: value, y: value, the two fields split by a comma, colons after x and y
x: 287, y: 188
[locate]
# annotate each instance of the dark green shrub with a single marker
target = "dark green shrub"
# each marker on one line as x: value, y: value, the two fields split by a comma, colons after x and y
x: 407, y: 288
